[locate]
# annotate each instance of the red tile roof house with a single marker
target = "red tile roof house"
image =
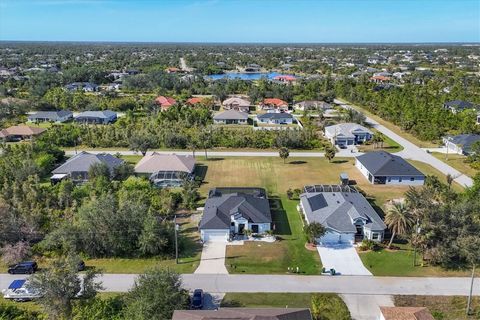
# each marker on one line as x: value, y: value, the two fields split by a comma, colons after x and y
x: 165, y: 102
x: 285, y: 78
x: 195, y: 100
x: 20, y: 132
x: 274, y: 105
x: 380, y: 79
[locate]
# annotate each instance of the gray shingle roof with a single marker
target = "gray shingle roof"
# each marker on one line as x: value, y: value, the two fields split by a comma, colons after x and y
x: 105, y: 114
x: 219, y: 208
x: 272, y: 115
x: 339, y: 210
x: 231, y: 115
x: 52, y: 115
x: 381, y: 163
x: 464, y: 140
x: 84, y: 160
x: 459, y: 104
x: 347, y: 130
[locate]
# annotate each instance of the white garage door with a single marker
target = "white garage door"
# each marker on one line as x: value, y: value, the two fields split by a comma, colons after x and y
x: 215, y: 235
x: 335, y: 237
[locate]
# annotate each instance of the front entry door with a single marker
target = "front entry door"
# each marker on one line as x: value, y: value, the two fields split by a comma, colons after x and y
x: 241, y: 227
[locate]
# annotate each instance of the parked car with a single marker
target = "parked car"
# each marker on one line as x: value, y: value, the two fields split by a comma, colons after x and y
x: 27, y: 267
x: 18, y: 291
x: 81, y: 265
x: 197, y: 299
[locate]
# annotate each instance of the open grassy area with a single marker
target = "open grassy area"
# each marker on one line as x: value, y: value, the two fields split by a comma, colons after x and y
x: 400, y: 263
x: 442, y: 307
x: 458, y: 162
x: 394, y: 128
x: 333, y: 307
x: 389, y: 145
x: 429, y: 170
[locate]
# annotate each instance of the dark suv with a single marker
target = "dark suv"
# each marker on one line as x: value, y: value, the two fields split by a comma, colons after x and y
x: 197, y: 299
x: 27, y: 267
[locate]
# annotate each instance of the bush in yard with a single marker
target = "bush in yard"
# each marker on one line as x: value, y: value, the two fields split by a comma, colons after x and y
x: 296, y: 193
x: 329, y: 307
x: 369, y: 245
x: 15, y: 253
x: 290, y: 194
x: 314, y: 230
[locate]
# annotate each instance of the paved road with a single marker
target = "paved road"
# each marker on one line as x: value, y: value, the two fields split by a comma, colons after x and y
x: 413, y: 152
x: 357, y: 285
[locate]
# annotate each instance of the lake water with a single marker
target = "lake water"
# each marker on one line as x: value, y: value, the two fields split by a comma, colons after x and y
x: 244, y: 76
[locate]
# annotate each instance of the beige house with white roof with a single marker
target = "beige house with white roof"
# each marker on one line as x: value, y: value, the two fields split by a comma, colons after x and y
x: 166, y: 170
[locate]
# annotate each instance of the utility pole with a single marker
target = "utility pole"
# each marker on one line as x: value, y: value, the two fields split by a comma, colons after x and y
x: 176, y: 238
x: 469, y: 302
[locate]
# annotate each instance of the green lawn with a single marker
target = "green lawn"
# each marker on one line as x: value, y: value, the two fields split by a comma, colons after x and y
x: 389, y: 145
x: 400, y: 263
x: 267, y: 258
x: 458, y: 162
x: 442, y: 307
x: 332, y: 306
x: 429, y: 170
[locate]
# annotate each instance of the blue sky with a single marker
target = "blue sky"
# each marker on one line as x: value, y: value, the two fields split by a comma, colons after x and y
x: 241, y: 20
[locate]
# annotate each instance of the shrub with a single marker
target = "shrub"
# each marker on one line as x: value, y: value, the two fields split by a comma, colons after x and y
x: 329, y: 307
x: 369, y: 245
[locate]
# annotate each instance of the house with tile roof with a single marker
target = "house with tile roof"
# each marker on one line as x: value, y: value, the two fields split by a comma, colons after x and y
x: 343, y: 211
x: 236, y: 103
x: 274, y: 105
x: 165, y: 102
x: 21, y: 132
x: 405, y: 313
x: 231, y: 211
x: 166, y: 170
x: 380, y: 167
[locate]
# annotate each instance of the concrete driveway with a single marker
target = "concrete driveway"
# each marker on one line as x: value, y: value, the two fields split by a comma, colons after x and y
x: 343, y: 258
x: 366, y: 307
x: 213, y: 258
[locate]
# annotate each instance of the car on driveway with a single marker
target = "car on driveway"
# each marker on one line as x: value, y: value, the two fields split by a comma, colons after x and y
x: 197, y: 299
x: 27, y: 267
x: 19, y: 291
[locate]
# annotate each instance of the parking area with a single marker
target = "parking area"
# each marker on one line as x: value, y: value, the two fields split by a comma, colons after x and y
x: 213, y: 258
x: 343, y: 258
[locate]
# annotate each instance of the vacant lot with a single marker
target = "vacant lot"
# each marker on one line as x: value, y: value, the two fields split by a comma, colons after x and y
x: 458, y: 162
x: 441, y: 307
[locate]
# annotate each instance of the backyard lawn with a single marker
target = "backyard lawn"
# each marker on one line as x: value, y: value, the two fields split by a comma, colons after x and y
x: 332, y: 306
x: 400, y: 263
x: 442, y: 307
x: 458, y: 162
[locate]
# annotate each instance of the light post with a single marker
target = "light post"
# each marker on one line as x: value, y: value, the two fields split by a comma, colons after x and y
x: 418, y: 229
x: 176, y: 238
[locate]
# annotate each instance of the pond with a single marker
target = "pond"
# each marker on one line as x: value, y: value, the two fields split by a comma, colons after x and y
x: 244, y: 76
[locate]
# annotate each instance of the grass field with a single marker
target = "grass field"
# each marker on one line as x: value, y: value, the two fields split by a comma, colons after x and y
x: 389, y: 145
x: 458, y: 162
x: 394, y: 128
x: 429, y: 170
x: 400, y: 263
x: 442, y: 307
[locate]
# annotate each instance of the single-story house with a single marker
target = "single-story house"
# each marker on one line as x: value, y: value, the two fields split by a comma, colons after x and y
x: 237, y: 104
x: 20, y: 132
x: 380, y: 167
x: 244, y: 314
x: 51, y: 116
x: 275, y: 118
x: 195, y: 100
x: 461, y: 143
x: 166, y: 170
x: 347, y: 134
x: 343, y: 211
x: 274, y: 105
x: 230, y: 211
x: 96, y: 117
x: 165, y: 102
x: 405, y: 313
x: 77, y: 167
x: 231, y: 117
x: 456, y: 106
x: 85, y: 86
x: 311, y: 105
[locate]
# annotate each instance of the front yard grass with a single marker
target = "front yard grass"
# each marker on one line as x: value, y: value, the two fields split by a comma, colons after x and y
x: 458, y: 162
x: 389, y: 145
x: 266, y: 258
x: 399, y: 263
x: 442, y: 307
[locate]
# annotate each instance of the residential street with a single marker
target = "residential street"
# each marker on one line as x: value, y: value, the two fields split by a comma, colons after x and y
x: 414, y: 152
x: 369, y: 285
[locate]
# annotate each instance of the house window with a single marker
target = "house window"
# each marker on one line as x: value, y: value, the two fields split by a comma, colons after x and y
x: 389, y: 179
x: 399, y: 179
x: 412, y: 179
x: 232, y: 224
x: 375, y: 236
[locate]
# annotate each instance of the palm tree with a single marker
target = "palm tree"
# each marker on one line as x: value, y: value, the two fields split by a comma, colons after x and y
x: 399, y: 220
